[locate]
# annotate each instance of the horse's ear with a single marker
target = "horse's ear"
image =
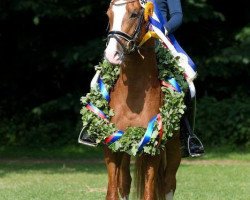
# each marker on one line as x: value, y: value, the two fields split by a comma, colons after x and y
x: 148, y: 10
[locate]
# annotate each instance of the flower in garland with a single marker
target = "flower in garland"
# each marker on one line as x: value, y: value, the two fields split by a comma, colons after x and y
x: 171, y: 111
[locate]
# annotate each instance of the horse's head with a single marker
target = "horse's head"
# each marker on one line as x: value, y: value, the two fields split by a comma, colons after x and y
x: 127, y: 26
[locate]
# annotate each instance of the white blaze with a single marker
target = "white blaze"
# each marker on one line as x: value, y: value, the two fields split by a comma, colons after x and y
x: 111, y: 51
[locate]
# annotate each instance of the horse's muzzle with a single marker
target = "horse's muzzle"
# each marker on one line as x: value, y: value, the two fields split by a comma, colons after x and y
x: 114, y: 57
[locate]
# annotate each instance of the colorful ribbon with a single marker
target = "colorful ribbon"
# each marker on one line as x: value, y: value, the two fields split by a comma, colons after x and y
x: 103, y: 89
x: 157, y: 22
x: 114, y: 137
x: 96, y: 110
x: 179, y: 49
x: 172, y: 83
x: 158, y: 13
x: 160, y: 128
x: 147, y: 36
x: 147, y: 136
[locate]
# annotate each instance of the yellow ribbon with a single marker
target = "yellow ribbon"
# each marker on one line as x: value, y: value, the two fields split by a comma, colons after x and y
x: 147, y: 36
x: 149, y: 9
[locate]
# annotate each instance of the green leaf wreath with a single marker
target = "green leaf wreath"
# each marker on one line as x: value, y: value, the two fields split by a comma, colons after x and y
x: 171, y: 111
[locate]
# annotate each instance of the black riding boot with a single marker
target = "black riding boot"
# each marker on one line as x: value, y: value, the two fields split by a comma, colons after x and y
x: 190, y: 143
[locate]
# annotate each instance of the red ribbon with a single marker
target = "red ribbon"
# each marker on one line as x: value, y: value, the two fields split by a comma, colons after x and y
x: 168, y: 85
x: 160, y: 127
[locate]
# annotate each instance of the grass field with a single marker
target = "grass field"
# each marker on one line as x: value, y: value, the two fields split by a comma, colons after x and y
x: 80, y: 175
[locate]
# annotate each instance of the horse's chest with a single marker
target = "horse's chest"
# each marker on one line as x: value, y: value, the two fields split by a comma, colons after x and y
x: 135, y: 103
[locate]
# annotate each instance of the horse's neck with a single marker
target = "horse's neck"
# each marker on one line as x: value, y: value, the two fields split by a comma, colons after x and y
x: 140, y: 67
x: 136, y: 97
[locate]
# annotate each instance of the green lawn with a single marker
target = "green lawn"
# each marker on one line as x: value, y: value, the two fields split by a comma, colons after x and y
x: 33, y: 176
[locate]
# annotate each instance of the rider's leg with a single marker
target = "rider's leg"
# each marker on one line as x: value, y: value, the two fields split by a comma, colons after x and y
x: 84, y: 138
x: 190, y: 144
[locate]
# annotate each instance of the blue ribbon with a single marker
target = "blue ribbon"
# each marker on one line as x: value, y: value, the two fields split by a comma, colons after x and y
x: 162, y: 21
x: 160, y: 25
x: 114, y: 137
x: 96, y: 110
x: 174, y: 83
x: 180, y: 50
x: 103, y: 89
x: 158, y: 13
x: 157, y: 24
x: 147, y: 136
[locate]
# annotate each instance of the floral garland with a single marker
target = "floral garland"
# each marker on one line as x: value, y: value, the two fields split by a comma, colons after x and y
x: 171, y: 111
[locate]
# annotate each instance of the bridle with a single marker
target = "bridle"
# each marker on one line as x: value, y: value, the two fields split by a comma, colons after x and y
x: 130, y: 45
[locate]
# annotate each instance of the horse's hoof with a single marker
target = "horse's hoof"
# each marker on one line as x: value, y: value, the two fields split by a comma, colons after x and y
x: 170, y: 195
x: 125, y: 198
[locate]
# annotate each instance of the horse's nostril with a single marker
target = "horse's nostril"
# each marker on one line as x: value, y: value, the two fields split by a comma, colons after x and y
x: 113, y: 57
x: 117, y: 54
x: 107, y: 42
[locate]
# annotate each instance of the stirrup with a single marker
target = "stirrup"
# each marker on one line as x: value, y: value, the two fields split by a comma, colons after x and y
x: 195, y: 146
x: 85, y: 139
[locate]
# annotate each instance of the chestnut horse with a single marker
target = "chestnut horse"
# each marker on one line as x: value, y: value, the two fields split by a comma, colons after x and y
x: 136, y: 98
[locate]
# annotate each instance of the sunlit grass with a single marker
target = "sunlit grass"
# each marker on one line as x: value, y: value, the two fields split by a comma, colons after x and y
x: 75, y: 181
x: 78, y: 173
x: 52, y: 181
x: 214, y: 182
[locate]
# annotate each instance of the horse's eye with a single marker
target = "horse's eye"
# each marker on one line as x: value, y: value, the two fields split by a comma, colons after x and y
x: 134, y: 15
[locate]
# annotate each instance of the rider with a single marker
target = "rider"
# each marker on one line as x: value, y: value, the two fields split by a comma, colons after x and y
x: 172, y: 12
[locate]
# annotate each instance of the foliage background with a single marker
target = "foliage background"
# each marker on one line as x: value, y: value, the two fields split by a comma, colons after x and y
x: 48, y: 49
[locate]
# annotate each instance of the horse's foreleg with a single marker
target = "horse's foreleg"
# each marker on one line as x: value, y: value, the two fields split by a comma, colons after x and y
x: 125, y: 177
x: 173, y: 156
x: 113, y: 161
x: 151, y: 169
